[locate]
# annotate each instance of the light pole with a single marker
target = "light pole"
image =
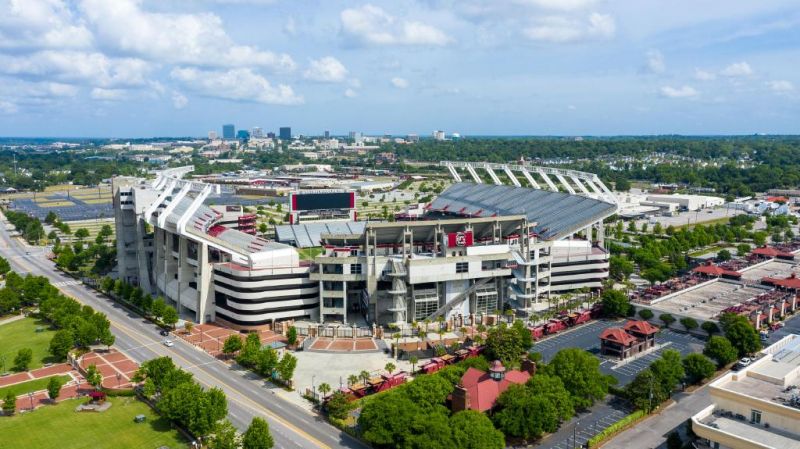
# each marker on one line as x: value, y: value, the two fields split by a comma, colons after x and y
x: 313, y: 388
x: 575, y: 434
x: 30, y: 396
x: 119, y: 377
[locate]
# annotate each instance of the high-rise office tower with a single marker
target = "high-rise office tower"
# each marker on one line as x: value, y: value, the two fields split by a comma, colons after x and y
x: 228, y: 131
x: 327, y: 134
x: 256, y: 133
x: 243, y: 134
x: 285, y: 133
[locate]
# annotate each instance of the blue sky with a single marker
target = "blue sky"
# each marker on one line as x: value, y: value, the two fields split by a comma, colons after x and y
x: 130, y: 68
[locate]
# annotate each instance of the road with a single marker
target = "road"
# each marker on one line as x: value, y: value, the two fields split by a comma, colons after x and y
x: 248, y: 396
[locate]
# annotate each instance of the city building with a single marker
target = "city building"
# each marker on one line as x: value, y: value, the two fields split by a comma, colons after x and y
x: 212, y: 135
x: 228, y: 132
x: 271, y: 135
x: 438, y: 135
x: 631, y: 339
x: 327, y: 134
x: 256, y: 133
x: 479, y: 390
x: 285, y: 133
x: 758, y: 406
x: 243, y: 134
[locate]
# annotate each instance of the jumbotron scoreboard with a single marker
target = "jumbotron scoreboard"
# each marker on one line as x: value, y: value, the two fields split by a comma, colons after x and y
x: 322, y: 205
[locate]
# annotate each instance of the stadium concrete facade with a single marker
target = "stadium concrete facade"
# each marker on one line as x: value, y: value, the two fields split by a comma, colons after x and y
x: 477, y: 249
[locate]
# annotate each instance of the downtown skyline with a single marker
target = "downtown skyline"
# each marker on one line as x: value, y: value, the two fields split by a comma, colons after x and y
x: 520, y: 67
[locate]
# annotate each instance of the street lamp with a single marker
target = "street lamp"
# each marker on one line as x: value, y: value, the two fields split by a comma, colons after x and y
x: 119, y: 377
x: 574, y: 434
x: 30, y: 396
x: 313, y: 388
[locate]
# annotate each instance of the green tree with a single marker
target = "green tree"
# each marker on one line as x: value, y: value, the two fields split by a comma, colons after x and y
x: 413, y: 360
x: 710, y: 327
x: 580, y: 372
x: 667, y: 319
x: 324, y: 388
x: 688, y: 323
x: 9, y: 301
x: 266, y: 361
x: 668, y: 369
x: 232, y: 344
x: 286, y: 366
x: 23, y: 359
x: 257, y: 435
x: 742, y: 249
x: 504, y: 344
x: 724, y: 255
x: 552, y: 389
x: 82, y: 233
x: 645, y: 314
x: 387, y: 422
x: 615, y: 303
x: 620, y: 268
x: 291, y: 336
x: 428, y: 392
x: 61, y: 343
x: 170, y: 316
x: 225, y: 436
x: 525, y: 415
x: 390, y: 367
x: 744, y: 337
x: 93, y: 376
x: 9, y: 404
x: 474, y: 430
x: 54, y: 388
x: 249, y: 354
x: 698, y: 368
x: 158, y: 307
x: 645, y: 392
x: 5, y: 267
x: 107, y: 339
x: 51, y: 218
x: 338, y: 406
x: 721, y: 350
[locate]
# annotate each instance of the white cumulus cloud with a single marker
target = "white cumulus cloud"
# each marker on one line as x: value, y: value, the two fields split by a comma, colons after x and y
x: 400, y: 83
x: 7, y: 107
x: 370, y: 24
x: 98, y: 93
x: 679, y: 92
x: 326, y: 70
x: 179, y: 101
x: 780, y: 86
x: 41, y: 24
x: 93, y: 68
x: 200, y: 39
x: 241, y: 84
x: 562, y: 29
x: 655, y: 62
x: 737, y: 70
x: 704, y: 75
x: 350, y: 93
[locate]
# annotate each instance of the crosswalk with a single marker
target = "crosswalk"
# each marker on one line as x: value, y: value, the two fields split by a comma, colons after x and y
x: 66, y: 283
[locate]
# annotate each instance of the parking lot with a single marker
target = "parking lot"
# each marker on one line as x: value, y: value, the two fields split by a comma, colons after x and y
x: 587, y: 337
x: 581, y: 428
x: 77, y: 209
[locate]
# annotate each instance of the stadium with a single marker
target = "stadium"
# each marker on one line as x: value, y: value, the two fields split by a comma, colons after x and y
x: 477, y: 248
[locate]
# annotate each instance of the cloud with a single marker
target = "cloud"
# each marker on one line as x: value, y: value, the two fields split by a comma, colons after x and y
x: 41, y: 24
x: 561, y: 29
x: 98, y: 93
x: 400, y: 83
x: 702, y: 75
x: 562, y: 5
x: 679, y: 92
x: 7, y: 107
x: 737, y: 70
x: 326, y: 70
x: 179, y: 101
x: 235, y: 84
x: 95, y: 69
x: 350, y: 93
x: 370, y: 24
x: 655, y: 62
x: 197, y: 39
x: 780, y: 86
x: 290, y: 27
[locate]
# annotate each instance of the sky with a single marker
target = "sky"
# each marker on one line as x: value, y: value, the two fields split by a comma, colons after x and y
x: 142, y: 68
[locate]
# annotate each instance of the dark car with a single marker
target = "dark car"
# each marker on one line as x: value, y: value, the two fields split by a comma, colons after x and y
x: 164, y: 332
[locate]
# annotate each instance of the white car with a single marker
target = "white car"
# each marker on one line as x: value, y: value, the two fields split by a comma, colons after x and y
x: 168, y: 343
x: 743, y: 362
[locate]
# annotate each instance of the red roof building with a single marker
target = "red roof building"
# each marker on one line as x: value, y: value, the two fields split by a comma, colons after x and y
x: 790, y: 283
x: 768, y: 251
x: 711, y: 270
x: 479, y: 390
x: 633, y: 338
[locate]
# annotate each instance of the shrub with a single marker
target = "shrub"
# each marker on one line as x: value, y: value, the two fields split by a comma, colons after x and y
x: 615, y: 428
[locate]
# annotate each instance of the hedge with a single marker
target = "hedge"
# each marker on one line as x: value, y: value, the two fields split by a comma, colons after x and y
x: 616, y: 428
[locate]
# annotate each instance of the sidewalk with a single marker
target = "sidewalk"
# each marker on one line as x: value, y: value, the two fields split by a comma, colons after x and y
x: 652, y: 432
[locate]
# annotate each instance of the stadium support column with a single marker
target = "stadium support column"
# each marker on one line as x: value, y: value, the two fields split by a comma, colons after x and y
x: 601, y: 234
x: 344, y: 302
x: 321, y: 297
x: 205, y: 271
x: 159, y: 261
x: 185, y: 273
x: 141, y: 257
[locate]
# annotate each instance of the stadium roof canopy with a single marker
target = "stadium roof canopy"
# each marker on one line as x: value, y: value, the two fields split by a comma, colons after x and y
x: 554, y: 214
x: 309, y: 235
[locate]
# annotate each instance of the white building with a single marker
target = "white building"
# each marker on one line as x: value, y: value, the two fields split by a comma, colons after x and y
x: 438, y: 135
x: 757, y: 407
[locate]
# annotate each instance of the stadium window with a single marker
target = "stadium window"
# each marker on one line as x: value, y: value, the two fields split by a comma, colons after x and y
x: 462, y: 267
x: 355, y: 268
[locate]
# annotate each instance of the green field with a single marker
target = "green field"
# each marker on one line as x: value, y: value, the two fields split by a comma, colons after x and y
x: 309, y: 253
x: 22, y: 334
x: 31, y: 386
x: 60, y: 426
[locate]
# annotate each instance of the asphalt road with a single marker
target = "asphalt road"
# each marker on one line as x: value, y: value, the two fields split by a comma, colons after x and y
x: 248, y: 396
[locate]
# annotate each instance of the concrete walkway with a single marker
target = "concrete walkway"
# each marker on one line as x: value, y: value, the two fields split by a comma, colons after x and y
x: 11, y: 319
x: 652, y: 433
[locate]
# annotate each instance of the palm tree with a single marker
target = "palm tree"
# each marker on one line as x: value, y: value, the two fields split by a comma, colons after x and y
x: 352, y: 380
x: 364, y: 375
x: 413, y: 360
x: 396, y: 337
x: 441, y: 334
x: 324, y: 389
x: 390, y: 367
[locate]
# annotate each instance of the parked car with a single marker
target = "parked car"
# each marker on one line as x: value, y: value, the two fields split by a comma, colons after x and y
x: 743, y: 362
x: 164, y: 332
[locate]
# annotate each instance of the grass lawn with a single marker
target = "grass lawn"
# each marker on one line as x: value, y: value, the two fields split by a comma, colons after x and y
x: 60, y: 426
x: 31, y: 386
x: 22, y: 334
x: 309, y: 253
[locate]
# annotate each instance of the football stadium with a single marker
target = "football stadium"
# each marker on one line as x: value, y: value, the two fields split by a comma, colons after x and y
x: 478, y: 248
